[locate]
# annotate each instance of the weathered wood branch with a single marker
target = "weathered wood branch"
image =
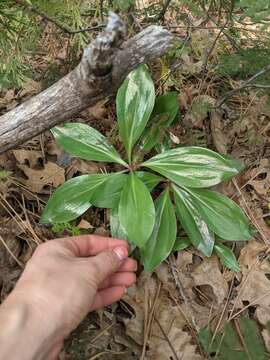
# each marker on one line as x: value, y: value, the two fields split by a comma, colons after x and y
x: 104, y: 65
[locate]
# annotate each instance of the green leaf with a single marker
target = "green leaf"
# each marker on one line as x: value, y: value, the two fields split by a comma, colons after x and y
x: 136, y: 211
x: 107, y: 195
x: 165, y: 110
x: 253, y: 340
x: 222, y: 215
x: 164, y: 144
x: 167, y: 106
x: 181, y: 243
x: 193, y: 166
x: 4, y: 174
x: 149, y: 179
x: 197, y: 230
x: 227, y: 257
x: 86, y: 142
x: 225, y: 346
x: 71, y: 229
x: 71, y: 199
x: 117, y: 230
x: 123, y: 5
x: 205, y: 336
x: 134, y: 104
x: 162, y: 239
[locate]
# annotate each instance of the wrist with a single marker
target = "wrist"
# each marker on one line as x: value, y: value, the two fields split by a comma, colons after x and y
x: 26, y: 334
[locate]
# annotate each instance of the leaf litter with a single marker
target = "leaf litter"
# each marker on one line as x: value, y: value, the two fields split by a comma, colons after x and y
x: 162, y: 315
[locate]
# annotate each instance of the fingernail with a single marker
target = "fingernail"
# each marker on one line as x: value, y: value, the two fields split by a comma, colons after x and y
x: 125, y: 290
x: 121, y: 253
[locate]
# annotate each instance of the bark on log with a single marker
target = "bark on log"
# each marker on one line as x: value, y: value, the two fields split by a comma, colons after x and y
x: 104, y: 65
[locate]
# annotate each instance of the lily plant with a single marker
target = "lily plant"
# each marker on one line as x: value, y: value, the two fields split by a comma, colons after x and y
x: 152, y: 199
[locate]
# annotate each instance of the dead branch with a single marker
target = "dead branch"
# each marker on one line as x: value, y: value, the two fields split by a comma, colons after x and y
x: 104, y: 65
x: 247, y: 84
x: 30, y: 8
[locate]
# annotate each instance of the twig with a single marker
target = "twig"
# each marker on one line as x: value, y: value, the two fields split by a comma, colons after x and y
x: 11, y: 253
x: 167, y: 339
x: 176, y: 66
x: 246, y: 84
x: 150, y: 321
x: 253, y: 302
x: 178, y: 283
x: 62, y: 27
x: 238, y: 330
x: 214, y: 28
x: 216, y: 39
x: 162, y: 13
x: 204, y: 68
x: 101, y: 8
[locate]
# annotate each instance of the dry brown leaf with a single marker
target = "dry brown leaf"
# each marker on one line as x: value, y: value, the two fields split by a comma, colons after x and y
x: 53, y: 148
x: 51, y: 174
x: 84, y: 167
x: 255, y: 285
x: 169, y: 338
x: 183, y: 101
x: 203, y: 287
x: 30, y: 157
x: 9, y: 229
x: 5, y: 187
x: 199, y: 110
x: 218, y: 134
x: 101, y: 231
x: 191, y: 67
x: 8, y: 99
x: 260, y: 178
x: 97, y: 111
x: 32, y: 87
x: 208, y: 273
x: 84, y: 225
x: 167, y: 320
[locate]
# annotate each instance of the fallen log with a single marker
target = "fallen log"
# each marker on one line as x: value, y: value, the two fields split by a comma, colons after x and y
x: 104, y: 65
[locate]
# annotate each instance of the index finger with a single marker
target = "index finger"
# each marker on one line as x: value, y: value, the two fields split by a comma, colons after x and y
x: 90, y: 245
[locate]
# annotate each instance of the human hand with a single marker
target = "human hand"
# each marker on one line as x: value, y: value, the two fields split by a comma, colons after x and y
x: 67, y: 278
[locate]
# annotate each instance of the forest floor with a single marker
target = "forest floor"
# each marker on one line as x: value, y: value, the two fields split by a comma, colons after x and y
x: 161, y: 316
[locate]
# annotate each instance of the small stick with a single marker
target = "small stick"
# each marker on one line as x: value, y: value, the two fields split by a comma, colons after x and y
x: 246, y: 84
x: 162, y: 13
x: 62, y: 27
x: 167, y: 339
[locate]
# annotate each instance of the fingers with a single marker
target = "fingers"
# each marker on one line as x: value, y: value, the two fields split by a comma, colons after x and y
x: 90, y: 245
x: 108, y: 296
x: 125, y: 279
x: 106, y: 263
x: 128, y: 265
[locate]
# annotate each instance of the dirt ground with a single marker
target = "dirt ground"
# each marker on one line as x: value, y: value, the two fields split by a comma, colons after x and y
x: 160, y: 317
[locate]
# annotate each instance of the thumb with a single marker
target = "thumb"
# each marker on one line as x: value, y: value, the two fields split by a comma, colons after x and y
x: 107, y: 263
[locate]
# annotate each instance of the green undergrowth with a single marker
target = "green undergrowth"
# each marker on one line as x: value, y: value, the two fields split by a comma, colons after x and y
x: 229, y: 344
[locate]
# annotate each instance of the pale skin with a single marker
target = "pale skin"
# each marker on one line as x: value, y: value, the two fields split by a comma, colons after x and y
x: 63, y: 281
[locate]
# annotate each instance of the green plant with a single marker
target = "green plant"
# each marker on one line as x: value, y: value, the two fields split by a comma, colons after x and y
x: 71, y: 229
x: 21, y: 30
x: 123, y: 5
x: 176, y: 177
x: 4, y: 174
x: 227, y: 345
